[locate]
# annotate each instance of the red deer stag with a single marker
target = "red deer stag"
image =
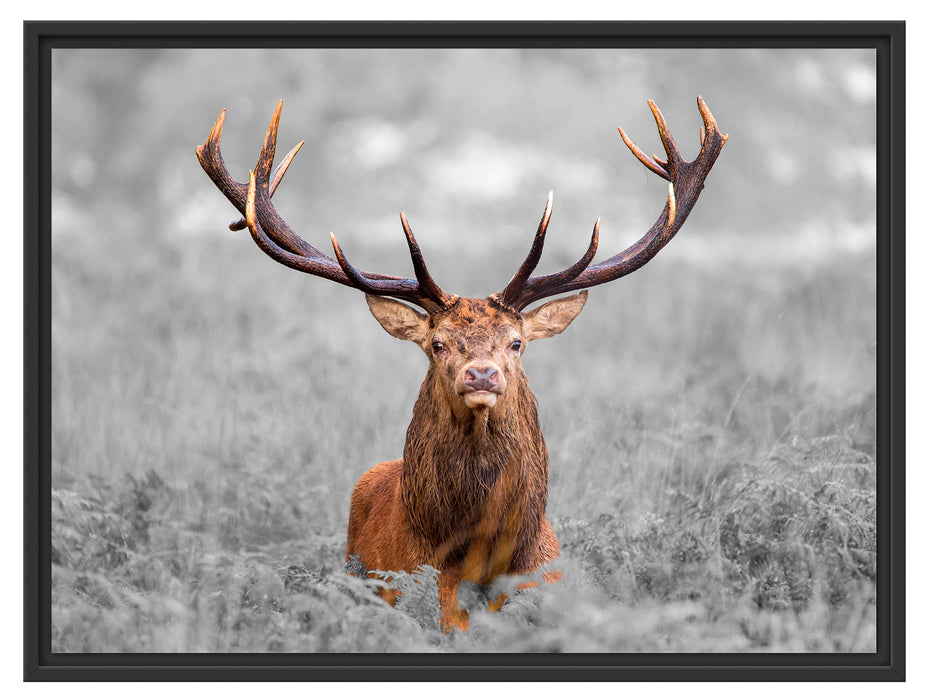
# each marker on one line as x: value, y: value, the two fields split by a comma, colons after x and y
x: 468, y: 496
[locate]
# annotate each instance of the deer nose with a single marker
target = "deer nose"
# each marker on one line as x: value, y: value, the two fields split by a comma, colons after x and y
x: 481, y: 378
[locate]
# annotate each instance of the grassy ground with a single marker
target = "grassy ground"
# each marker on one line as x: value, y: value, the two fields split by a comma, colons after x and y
x: 712, y: 458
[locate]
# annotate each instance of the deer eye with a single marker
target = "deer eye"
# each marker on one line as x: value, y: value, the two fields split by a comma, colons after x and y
x: 438, y: 347
x: 515, y: 346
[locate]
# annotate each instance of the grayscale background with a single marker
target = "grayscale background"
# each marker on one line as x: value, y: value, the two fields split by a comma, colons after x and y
x: 710, y: 418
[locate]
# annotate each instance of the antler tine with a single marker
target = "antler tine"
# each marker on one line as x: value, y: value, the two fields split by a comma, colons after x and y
x: 277, y: 176
x: 709, y: 125
x: 263, y: 165
x: 669, y: 145
x: 642, y: 157
x: 409, y: 290
x: 533, y: 257
x: 570, y: 273
x: 211, y: 160
x: 686, y: 180
x: 708, y: 117
x: 358, y: 279
x: 424, y: 278
x: 670, y: 211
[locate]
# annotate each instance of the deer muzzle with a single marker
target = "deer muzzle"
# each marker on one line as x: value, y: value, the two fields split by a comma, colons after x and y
x: 480, y: 383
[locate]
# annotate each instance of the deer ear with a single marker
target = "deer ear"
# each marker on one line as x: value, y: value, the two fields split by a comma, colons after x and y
x: 398, y: 319
x: 553, y: 317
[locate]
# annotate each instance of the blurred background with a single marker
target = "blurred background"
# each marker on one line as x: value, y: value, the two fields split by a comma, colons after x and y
x: 181, y: 351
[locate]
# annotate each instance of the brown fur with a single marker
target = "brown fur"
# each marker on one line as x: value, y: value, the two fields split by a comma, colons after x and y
x: 469, y: 496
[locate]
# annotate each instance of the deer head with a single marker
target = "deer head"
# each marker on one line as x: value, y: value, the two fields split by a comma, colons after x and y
x: 475, y: 345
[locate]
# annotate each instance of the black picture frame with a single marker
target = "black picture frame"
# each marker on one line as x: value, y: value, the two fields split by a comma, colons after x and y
x: 888, y: 40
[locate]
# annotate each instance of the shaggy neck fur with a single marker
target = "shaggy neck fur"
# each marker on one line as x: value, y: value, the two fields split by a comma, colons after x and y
x: 454, y: 459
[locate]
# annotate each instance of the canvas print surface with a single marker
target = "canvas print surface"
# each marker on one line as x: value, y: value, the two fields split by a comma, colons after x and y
x: 710, y: 419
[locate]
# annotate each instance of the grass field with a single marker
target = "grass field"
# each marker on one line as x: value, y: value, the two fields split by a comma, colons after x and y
x: 712, y: 460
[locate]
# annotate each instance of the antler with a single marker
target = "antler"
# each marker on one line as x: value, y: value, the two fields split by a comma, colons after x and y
x: 686, y: 180
x: 281, y: 243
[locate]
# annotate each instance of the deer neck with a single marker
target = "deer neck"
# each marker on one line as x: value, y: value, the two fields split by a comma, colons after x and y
x: 453, y: 459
